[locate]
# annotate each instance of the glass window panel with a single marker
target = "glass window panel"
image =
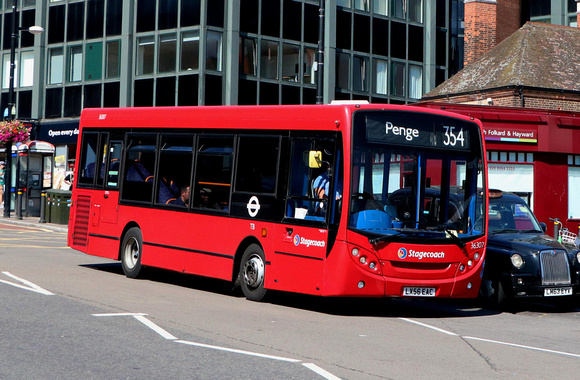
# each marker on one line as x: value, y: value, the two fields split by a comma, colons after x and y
x: 56, y: 24
x: 56, y: 64
x: 309, y: 59
x: 214, y: 51
x: 343, y: 70
x: 167, y: 53
x: 75, y: 64
x: 360, y: 73
x: 6, y: 71
x: 112, y: 68
x: 398, y: 79
x: 175, y: 170
x: 381, y: 7
x: 145, y: 55
x: 167, y: 17
x: 363, y: 5
x: 380, y: 76
x: 248, y: 63
x: 415, y: 82
x: 146, y: 15
x: 139, y: 168
x: 75, y: 22
x: 257, y: 164
x: 190, y: 51
x: 415, y: 10
x: 291, y: 63
x: 114, y: 17
x: 343, y: 3
x: 269, y: 59
x: 95, y: 18
x: 94, y: 61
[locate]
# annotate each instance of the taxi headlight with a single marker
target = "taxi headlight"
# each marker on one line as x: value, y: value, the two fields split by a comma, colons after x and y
x: 517, y: 261
x: 578, y: 257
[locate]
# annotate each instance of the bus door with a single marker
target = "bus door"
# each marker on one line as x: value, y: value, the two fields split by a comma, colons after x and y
x: 302, y: 240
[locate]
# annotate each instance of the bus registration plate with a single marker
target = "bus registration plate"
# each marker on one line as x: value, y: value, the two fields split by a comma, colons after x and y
x: 418, y: 292
x: 550, y: 292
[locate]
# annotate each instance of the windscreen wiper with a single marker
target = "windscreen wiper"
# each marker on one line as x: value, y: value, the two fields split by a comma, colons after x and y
x: 452, y: 234
x: 383, y: 238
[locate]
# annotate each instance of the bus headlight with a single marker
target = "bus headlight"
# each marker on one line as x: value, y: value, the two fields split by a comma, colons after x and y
x: 517, y: 260
x: 354, y: 252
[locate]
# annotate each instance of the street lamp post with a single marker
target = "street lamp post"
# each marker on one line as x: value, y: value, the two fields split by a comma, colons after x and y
x: 320, y: 55
x: 11, y: 102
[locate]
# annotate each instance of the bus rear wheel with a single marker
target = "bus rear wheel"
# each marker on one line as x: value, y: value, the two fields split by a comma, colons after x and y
x: 252, y: 273
x: 131, y: 250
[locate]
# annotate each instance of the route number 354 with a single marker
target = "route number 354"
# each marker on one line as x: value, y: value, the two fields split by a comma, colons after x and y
x: 451, y: 137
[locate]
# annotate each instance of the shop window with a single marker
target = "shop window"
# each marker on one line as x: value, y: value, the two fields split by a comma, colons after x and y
x: 248, y: 63
x: 75, y: 22
x: 175, y: 161
x: 573, y: 199
x: 213, y: 90
x: 114, y: 17
x: 92, y: 96
x: 215, y: 13
x: 55, y: 65
x: 213, y: 173
x: 269, y: 60
x: 343, y: 70
x: 72, y: 101
x: 398, y: 79
x: 95, y: 18
x: 269, y: 93
x: 145, y: 55
x: 214, y: 51
x: 112, y: 64
x: 188, y: 90
x: 94, y: 61
x: 308, y: 74
x: 139, y: 168
x: 362, y: 33
x: 26, y: 69
x: 146, y: 15
x: 165, y: 91
x: 53, y: 103
x: 360, y: 76
x: 143, y: 93
x: 190, y: 51
x: 75, y: 63
x: 381, y: 37
x: 249, y: 16
x: 111, y: 94
x: 271, y: 18
x: 167, y: 53
x: 290, y: 62
x: 257, y: 164
x: 292, y: 11
x: 415, y: 82
x: 380, y: 76
x: 190, y: 12
x: 55, y: 30
x: 167, y: 18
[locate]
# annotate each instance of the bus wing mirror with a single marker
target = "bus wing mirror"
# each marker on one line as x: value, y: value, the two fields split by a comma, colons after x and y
x: 314, y: 159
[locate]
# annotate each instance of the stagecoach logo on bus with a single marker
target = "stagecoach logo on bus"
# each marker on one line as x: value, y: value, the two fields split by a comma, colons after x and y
x: 308, y: 242
x: 403, y: 254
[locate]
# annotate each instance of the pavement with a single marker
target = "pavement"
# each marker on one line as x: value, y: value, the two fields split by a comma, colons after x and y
x: 34, y: 221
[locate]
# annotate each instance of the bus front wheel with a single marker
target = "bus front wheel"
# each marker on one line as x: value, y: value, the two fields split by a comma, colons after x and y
x: 252, y: 271
x: 131, y: 250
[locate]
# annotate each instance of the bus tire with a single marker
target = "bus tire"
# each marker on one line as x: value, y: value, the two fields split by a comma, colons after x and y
x: 131, y: 251
x: 252, y: 273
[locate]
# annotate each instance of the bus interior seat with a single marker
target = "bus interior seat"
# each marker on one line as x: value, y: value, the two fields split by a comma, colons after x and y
x: 137, y: 172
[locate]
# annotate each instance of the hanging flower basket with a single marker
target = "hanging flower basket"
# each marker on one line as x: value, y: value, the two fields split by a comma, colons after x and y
x: 13, y: 131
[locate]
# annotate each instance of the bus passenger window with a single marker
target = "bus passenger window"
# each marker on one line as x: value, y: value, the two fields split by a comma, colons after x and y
x: 257, y: 164
x: 214, y: 170
x: 139, y: 168
x: 174, y: 169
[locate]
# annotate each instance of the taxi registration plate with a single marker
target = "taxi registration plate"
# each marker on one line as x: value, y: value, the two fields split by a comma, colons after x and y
x: 409, y: 291
x: 551, y: 292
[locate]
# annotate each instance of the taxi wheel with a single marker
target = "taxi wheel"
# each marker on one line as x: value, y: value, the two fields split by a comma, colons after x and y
x: 499, y: 297
x: 131, y: 250
x: 252, y: 273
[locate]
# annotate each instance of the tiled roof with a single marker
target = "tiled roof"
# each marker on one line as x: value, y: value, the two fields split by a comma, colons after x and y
x: 537, y: 55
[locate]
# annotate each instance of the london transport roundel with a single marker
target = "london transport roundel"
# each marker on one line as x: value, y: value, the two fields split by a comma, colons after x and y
x: 402, y: 253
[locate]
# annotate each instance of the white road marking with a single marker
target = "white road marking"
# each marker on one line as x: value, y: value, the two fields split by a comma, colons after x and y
x: 493, y: 341
x: 29, y: 285
x: 522, y: 346
x: 320, y: 371
x: 118, y: 314
x: 429, y: 326
x: 141, y: 318
x: 238, y: 351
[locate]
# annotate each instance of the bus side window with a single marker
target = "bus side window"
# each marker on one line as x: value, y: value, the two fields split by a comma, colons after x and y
x: 139, y: 168
x: 174, y: 168
x: 213, y: 172
x: 88, y: 158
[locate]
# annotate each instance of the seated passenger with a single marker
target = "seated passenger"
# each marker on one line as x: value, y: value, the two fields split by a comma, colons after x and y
x: 205, y: 201
x: 183, y: 199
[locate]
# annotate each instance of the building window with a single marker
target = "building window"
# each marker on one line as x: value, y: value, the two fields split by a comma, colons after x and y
x: 55, y: 65
x: 381, y: 7
x: 145, y: 55
x: 309, y: 59
x: 360, y: 73
x: 573, y: 185
x: 248, y: 61
x: 398, y: 79
x: 343, y: 71
x: 291, y: 63
x: 269, y: 60
x: 27, y: 69
x: 94, y: 61
x: 75, y: 63
x: 112, y: 68
x: 167, y: 51
x: 380, y: 76
x: 415, y: 82
x: 190, y: 51
x: 214, y: 51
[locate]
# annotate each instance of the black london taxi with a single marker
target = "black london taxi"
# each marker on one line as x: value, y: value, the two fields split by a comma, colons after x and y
x: 521, y: 260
